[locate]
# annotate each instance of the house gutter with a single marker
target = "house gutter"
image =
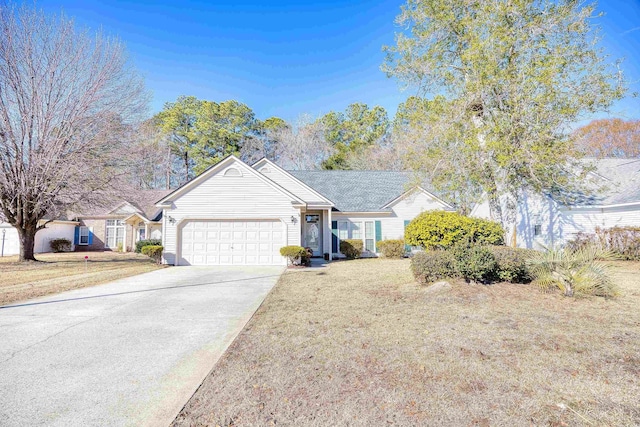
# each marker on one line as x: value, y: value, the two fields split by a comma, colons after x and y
x: 619, y: 205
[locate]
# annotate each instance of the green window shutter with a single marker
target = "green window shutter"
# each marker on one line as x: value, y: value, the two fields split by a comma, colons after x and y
x: 334, y: 237
x: 378, y: 231
x: 406, y: 247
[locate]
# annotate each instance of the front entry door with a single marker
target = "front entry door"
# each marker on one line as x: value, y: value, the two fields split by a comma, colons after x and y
x: 313, y: 233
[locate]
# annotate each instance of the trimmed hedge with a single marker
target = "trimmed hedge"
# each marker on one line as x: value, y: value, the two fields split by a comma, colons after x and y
x: 442, y: 230
x: 431, y: 266
x: 512, y: 263
x: 149, y: 242
x: 624, y: 242
x: 391, y: 248
x: 482, y: 264
x: 293, y: 253
x: 475, y: 263
x: 60, y: 245
x: 351, y: 248
x: 154, y: 252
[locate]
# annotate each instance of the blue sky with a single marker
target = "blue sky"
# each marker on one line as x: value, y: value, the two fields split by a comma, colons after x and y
x: 286, y: 58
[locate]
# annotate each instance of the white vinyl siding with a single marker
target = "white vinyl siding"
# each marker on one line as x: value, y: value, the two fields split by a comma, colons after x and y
x: 11, y: 240
x: 53, y: 230
x: 291, y: 184
x: 247, y: 197
x: 541, y: 222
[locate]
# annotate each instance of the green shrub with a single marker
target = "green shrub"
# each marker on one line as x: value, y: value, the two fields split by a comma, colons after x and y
x: 293, y: 253
x: 153, y: 251
x: 475, y: 263
x: 391, y: 248
x: 442, y: 230
x: 431, y: 266
x: 624, y: 242
x: 149, y: 242
x: 486, y: 232
x: 583, y: 271
x: 351, y: 248
x: 60, y: 245
x: 512, y: 263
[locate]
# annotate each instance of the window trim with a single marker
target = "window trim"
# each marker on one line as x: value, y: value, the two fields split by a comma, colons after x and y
x: 80, y: 235
x: 117, y: 223
x: 363, y: 233
x: 537, y: 230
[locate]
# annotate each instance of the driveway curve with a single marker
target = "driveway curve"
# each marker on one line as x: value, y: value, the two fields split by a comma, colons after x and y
x: 130, y: 352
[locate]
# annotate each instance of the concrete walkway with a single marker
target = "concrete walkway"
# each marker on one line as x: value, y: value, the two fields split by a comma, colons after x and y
x: 127, y: 353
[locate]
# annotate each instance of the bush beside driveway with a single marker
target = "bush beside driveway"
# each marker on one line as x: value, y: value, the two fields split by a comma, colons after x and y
x: 360, y: 343
x: 65, y: 271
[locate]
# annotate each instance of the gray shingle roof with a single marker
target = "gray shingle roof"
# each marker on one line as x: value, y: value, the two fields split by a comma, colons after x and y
x: 620, y: 179
x: 357, y: 191
x: 143, y: 200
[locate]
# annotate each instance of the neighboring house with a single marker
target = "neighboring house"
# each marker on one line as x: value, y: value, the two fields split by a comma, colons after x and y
x: 118, y: 226
x: 541, y: 221
x: 121, y: 225
x: 57, y: 229
x: 234, y: 213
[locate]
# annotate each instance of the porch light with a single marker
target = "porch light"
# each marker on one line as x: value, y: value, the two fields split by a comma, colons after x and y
x: 171, y: 219
x: 293, y: 219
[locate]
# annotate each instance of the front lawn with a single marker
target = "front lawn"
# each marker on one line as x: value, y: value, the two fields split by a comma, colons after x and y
x: 64, y: 271
x: 360, y: 343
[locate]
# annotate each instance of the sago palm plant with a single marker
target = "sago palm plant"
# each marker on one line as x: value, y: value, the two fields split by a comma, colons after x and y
x: 584, y: 271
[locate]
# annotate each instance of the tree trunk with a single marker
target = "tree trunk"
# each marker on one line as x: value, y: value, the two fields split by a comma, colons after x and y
x: 27, y: 243
x: 186, y: 167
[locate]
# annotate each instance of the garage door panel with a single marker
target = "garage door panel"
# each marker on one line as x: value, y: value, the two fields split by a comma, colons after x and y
x: 212, y: 242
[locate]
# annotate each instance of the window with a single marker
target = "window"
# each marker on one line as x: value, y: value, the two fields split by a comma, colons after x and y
x: 356, y: 230
x: 343, y: 230
x: 141, y: 233
x: 537, y: 230
x: 353, y: 230
x: 369, y: 236
x: 114, y: 233
x: 83, y: 236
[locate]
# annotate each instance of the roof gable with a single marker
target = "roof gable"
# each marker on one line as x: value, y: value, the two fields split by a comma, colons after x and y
x: 290, y: 182
x: 125, y: 208
x: 223, y: 166
x: 413, y: 191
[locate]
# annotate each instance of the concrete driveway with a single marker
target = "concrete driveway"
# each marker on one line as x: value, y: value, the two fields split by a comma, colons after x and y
x: 130, y: 352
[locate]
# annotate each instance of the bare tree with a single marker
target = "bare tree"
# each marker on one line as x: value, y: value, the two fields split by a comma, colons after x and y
x: 61, y: 92
x: 303, y: 145
x: 391, y: 153
x: 150, y: 161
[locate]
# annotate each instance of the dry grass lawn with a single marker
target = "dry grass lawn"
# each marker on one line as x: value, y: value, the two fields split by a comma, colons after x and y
x: 61, y: 272
x: 360, y: 344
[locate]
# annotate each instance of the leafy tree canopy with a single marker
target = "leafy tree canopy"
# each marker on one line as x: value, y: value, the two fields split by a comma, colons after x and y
x: 354, y: 130
x: 512, y: 77
x: 201, y: 133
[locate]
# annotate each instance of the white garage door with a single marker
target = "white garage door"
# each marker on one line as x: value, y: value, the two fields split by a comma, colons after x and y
x: 11, y: 241
x: 232, y: 242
